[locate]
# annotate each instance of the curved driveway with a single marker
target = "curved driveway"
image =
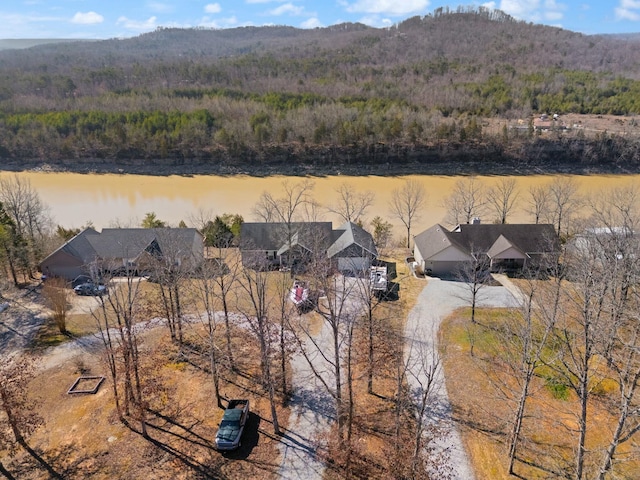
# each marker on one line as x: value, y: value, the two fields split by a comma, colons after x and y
x: 437, y: 301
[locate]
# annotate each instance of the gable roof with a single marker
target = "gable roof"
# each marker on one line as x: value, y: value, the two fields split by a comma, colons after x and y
x: 351, y: 234
x: 131, y: 242
x: 488, y: 238
x: 434, y: 240
x: 311, y: 236
x: 528, y: 238
x: 273, y: 236
x: 89, y: 245
x: 502, y: 244
x: 79, y: 246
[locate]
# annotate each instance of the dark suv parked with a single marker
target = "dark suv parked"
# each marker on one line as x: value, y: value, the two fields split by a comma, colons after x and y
x: 90, y: 289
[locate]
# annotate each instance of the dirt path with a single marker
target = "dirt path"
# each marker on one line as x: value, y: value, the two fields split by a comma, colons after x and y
x: 437, y: 301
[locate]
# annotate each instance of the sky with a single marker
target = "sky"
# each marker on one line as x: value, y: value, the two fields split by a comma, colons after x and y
x: 100, y: 19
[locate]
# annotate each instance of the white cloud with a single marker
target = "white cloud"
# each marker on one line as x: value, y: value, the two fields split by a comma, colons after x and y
x: 287, y: 8
x: 141, y: 26
x: 387, y: 7
x: 207, y: 22
x: 89, y: 18
x: 312, y: 22
x: 213, y: 8
x: 490, y: 5
x: 375, y: 21
x: 532, y: 10
x: 553, y: 16
x: 160, y: 7
x: 520, y: 8
x: 627, y: 10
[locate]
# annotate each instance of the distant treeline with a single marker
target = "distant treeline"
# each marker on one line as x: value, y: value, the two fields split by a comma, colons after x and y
x: 241, y: 93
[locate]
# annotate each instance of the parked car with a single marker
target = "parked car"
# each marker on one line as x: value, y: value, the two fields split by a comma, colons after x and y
x: 232, y: 425
x: 81, y: 279
x: 90, y: 289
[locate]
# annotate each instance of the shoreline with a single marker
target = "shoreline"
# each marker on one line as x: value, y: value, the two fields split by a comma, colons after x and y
x: 171, y: 167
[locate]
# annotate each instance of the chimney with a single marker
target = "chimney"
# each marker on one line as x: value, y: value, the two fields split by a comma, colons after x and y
x: 475, y: 221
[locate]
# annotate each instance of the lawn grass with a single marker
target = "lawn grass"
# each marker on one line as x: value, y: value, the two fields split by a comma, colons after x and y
x: 483, y: 411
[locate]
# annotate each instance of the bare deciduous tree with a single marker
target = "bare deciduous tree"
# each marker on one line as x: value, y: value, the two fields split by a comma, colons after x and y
x: 351, y: 205
x: 19, y: 415
x: 474, y: 275
x: 407, y: 203
x: 56, y: 294
x: 292, y: 206
x: 502, y: 198
x: 538, y: 203
x: 563, y: 203
x: 29, y: 214
x: 285, y: 208
x: 578, y: 333
x: 255, y: 285
x: 466, y: 202
x: 117, y: 319
x: 205, y: 284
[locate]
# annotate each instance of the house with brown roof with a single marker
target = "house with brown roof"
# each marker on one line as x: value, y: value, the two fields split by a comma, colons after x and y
x: 116, y: 250
x: 502, y: 247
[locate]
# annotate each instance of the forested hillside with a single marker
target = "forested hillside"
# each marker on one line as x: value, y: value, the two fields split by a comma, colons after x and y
x: 420, y: 91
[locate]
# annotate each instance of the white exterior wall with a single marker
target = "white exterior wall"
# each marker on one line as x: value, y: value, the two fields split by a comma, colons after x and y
x: 444, y: 262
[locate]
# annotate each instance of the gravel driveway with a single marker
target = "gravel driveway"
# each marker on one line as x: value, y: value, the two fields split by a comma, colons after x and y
x: 312, y: 407
x: 437, y: 301
x: 20, y: 323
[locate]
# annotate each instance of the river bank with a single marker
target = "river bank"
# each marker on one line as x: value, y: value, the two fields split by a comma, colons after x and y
x: 165, y: 167
x: 537, y: 156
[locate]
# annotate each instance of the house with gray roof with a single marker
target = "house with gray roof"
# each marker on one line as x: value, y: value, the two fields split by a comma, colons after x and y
x: 353, y: 248
x: 124, y: 249
x: 272, y: 245
x: 504, y: 247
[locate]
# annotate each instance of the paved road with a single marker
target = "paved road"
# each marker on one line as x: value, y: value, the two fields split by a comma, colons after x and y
x: 436, y: 301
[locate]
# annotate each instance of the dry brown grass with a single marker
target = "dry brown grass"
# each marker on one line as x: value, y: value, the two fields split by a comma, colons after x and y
x: 82, y: 436
x: 483, y: 414
x: 373, y: 454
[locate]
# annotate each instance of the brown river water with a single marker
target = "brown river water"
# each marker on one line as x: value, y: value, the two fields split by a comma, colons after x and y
x: 110, y: 199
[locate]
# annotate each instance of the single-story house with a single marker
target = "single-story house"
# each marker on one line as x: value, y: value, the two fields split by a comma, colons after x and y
x: 353, y: 248
x: 267, y: 245
x: 270, y: 245
x: 116, y: 250
x: 504, y: 247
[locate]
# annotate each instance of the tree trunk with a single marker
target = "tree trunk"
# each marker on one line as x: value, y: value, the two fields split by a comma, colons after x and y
x: 166, y: 303
x: 583, y: 393
x: 283, y: 360
x: 178, y: 313
x: 370, y: 354
x: 517, y: 424
x: 228, y: 331
x: 6, y: 472
x: 338, y: 378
